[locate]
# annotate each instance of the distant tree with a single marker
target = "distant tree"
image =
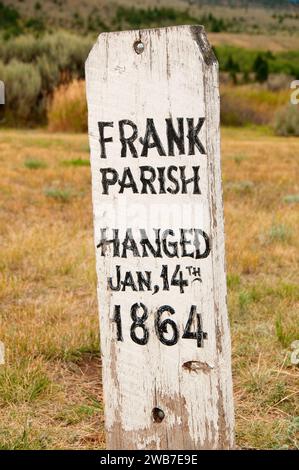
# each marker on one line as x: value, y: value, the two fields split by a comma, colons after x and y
x: 260, y: 68
x: 246, y: 77
x: 231, y: 65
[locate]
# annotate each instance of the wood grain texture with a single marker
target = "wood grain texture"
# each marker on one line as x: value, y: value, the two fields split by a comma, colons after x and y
x: 175, y: 76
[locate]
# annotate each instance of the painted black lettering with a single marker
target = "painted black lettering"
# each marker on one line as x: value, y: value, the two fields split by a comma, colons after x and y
x: 127, y: 142
x: 185, y: 242
x: 127, y: 181
x: 195, y: 180
x: 104, y: 242
x: 146, y: 244
x: 200, y: 233
x: 193, y: 137
x: 103, y: 140
x: 110, y: 283
x: 144, y: 280
x: 161, y: 179
x: 128, y: 282
x: 147, y: 181
x: 173, y: 180
x: 168, y: 244
x: 129, y: 244
x: 138, y: 322
x: 174, y: 137
x: 151, y: 134
x: 109, y: 178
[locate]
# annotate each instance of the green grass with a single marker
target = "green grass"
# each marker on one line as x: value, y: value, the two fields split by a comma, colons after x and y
x: 62, y: 195
x: 286, y: 330
x: 273, y: 433
x: 22, y: 383
x: 239, y: 158
x: 76, y: 162
x: 293, y: 433
x: 288, y: 291
x: 291, y: 198
x: 33, y: 164
x: 279, y: 233
x: 22, y: 440
x: 240, y: 187
x: 75, y: 355
x: 233, y: 280
x: 245, y: 300
x: 257, y: 380
x: 76, y: 413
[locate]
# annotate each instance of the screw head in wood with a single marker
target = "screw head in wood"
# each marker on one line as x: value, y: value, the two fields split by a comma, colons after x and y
x: 158, y: 415
x: 139, y: 47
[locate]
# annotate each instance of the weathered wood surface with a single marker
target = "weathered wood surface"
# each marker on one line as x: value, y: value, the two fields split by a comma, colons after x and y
x: 176, y: 76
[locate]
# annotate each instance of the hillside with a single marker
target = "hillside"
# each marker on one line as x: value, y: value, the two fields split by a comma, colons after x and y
x: 234, y: 16
x: 287, y: 4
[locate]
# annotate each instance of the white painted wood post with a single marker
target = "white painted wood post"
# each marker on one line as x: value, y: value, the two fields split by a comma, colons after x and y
x: 153, y: 111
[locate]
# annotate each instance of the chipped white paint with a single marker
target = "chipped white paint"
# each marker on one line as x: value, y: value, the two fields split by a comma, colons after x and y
x: 176, y: 76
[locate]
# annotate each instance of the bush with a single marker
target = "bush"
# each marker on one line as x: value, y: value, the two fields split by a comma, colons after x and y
x: 67, y: 110
x: 250, y: 104
x: 234, y: 112
x: 287, y: 121
x: 32, y: 68
x: 22, y: 93
x: 279, y: 81
x: 68, y: 51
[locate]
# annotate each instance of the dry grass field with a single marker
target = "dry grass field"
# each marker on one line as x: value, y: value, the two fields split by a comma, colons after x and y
x: 274, y: 43
x: 50, y: 389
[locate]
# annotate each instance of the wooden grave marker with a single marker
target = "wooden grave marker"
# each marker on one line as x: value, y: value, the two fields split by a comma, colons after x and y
x: 153, y: 112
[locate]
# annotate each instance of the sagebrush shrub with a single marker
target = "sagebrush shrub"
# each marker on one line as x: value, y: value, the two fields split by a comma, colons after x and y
x: 22, y: 92
x: 286, y: 121
x: 32, y: 68
x: 67, y: 110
